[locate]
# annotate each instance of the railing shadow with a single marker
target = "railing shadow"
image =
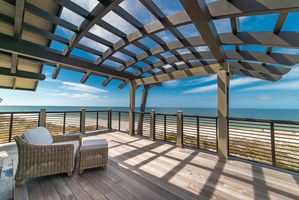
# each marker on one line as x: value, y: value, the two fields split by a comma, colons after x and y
x: 208, y: 189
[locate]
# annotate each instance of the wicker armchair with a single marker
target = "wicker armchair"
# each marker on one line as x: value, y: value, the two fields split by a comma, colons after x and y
x: 43, y: 160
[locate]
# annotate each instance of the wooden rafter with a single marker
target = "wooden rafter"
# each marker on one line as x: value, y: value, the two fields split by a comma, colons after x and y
x: 199, y: 13
x: 237, y: 8
x: 44, y: 54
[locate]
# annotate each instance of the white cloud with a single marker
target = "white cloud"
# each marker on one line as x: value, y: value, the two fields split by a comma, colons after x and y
x: 82, y: 88
x: 233, y: 83
x: 173, y: 83
x: 202, y: 89
x: 77, y: 95
x: 206, y: 79
x: 290, y: 85
x: 263, y: 98
x: 243, y: 81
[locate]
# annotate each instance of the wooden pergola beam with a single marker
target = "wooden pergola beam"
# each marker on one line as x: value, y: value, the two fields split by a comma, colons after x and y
x: 274, y: 58
x: 45, y: 55
x: 177, y: 19
x: 18, y: 20
x: 22, y: 74
x: 199, y: 13
x: 181, y: 74
x: 85, y: 77
x: 199, y: 70
x: 237, y: 8
x: 278, y: 26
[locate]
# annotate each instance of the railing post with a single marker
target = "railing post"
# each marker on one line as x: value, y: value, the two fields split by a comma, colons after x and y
x: 109, y: 118
x: 42, y: 117
x: 119, y: 120
x: 197, y: 133
x: 64, y: 120
x: 273, y: 144
x: 97, y: 122
x: 82, y: 121
x: 152, y: 125
x: 10, y: 127
x: 165, y: 127
x: 179, y: 138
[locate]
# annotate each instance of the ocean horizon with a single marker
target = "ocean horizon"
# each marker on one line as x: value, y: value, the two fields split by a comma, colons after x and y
x: 256, y: 113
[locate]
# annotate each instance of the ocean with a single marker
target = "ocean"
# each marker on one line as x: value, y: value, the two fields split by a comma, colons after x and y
x: 274, y: 114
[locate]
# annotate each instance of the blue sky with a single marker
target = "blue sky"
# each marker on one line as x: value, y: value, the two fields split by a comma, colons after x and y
x: 195, y: 92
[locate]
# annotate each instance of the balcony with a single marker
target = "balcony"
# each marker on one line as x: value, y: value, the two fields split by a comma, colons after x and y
x: 165, y: 161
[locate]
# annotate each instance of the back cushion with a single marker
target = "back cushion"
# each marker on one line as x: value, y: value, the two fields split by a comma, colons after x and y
x: 38, y: 136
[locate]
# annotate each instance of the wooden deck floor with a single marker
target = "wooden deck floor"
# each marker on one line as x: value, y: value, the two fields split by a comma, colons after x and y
x: 141, y: 169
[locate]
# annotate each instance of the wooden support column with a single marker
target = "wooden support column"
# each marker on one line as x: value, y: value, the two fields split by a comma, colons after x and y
x: 223, y: 113
x: 179, y: 137
x: 132, y: 109
x: 82, y: 121
x: 109, y: 118
x: 42, y: 117
x: 153, y: 125
x: 142, y: 109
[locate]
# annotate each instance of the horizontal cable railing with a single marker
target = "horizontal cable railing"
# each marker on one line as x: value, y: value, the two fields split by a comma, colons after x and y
x: 146, y: 125
x: 16, y: 123
x: 120, y: 120
x: 270, y: 142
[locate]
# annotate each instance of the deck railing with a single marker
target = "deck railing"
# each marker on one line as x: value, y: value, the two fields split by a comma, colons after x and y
x: 271, y: 142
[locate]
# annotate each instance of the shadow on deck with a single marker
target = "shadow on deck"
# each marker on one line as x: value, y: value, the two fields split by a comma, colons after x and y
x: 141, y: 169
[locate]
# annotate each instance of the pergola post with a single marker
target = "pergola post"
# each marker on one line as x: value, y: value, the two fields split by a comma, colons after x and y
x: 132, y: 109
x: 42, y: 117
x: 142, y: 109
x: 223, y: 113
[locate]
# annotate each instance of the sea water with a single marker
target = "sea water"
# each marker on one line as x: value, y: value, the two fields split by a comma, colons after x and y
x: 274, y: 114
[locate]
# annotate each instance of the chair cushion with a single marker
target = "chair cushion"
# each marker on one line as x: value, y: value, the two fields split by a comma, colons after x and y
x: 73, y: 142
x: 38, y: 136
x: 95, y: 144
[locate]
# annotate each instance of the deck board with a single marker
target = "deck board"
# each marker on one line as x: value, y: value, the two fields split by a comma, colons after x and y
x: 142, y: 169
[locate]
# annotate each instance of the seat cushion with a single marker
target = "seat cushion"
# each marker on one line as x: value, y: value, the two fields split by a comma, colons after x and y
x: 73, y: 142
x: 95, y: 144
x: 38, y: 136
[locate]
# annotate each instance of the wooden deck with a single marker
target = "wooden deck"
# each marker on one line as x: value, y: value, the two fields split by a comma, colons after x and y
x: 141, y: 169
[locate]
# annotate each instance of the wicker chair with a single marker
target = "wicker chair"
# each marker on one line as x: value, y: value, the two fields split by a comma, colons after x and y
x: 43, y: 160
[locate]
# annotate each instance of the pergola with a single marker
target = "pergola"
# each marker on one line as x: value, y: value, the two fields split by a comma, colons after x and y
x: 28, y: 27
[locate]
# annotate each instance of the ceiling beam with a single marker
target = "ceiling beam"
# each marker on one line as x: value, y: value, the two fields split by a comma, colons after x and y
x: 257, y: 75
x: 123, y: 84
x: 106, y: 82
x: 278, y: 26
x: 85, y: 77
x: 274, y: 58
x: 177, y: 19
x: 22, y: 74
x: 46, y: 55
x: 18, y: 21
x: 237, y: 8
x: 199, y: 13
x: 187, y: 73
